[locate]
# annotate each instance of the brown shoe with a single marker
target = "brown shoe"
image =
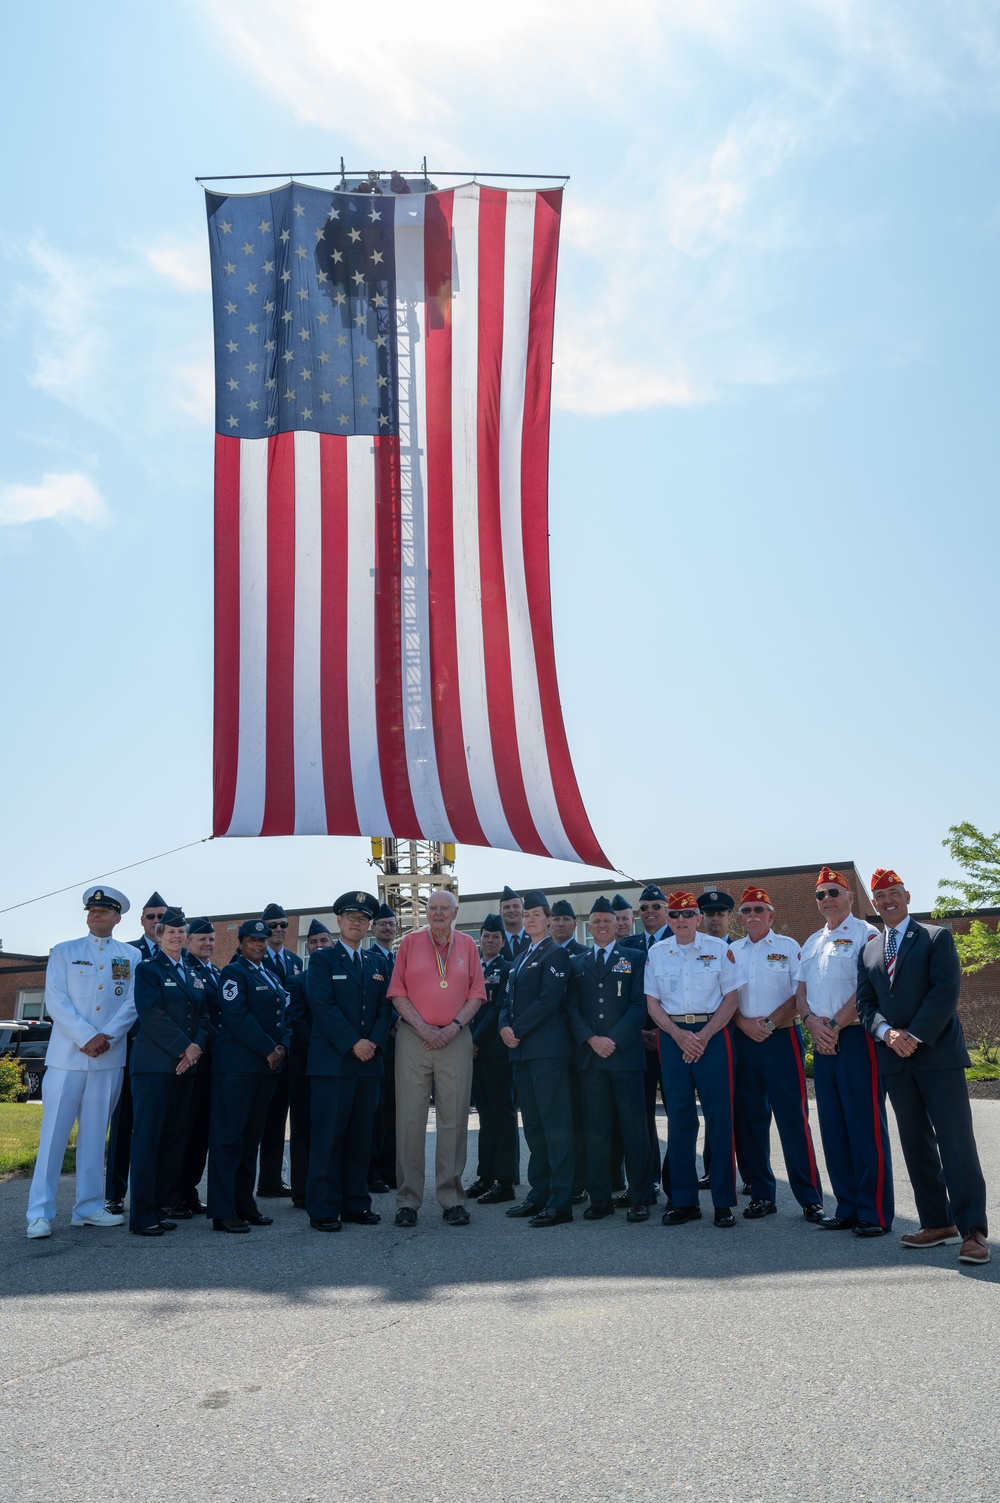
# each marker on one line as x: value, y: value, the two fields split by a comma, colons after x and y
x: 932, y: 1236
x: 974, y: 1249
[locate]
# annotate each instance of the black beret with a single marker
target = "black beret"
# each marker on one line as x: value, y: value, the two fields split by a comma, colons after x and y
x: 200, y: 926
x: 316, y: 928
x: 357, y: 902
x: 601, y: 905
x: 715, y: 901
x: 384, y: 911
x: 253, y: 929
x: 652, y: 894
x: 273, y: 911
x: 535, y: 899
x: 619, y: 904
x: 174, y: 918
x: 563, y: 909
x: 492, y: 924
x: 155, y: 901
x: 507, y: 894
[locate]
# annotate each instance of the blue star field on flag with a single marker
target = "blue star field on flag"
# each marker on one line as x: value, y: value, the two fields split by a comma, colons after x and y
x: 304, y: 297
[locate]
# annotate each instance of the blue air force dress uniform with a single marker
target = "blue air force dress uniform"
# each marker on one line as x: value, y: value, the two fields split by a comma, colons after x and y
x: 564, y: 909
x: 347, y: 997
x: 771, y: 1075
x: 850, y: 1097
x: 659, y: 1162
x: 252, y: 1026
x: 88, y: 990
x: 300, y: 1023
x: 690, y: 983
x: 283, y: 964
x: 498, y: 1167
x: 120, y: 1136
x: 606, y: 997
x: 173, y: 1015
x: 535, y: 1010
x: 382, y: 1169
x: 196, y: 1156
x: 514, y: 943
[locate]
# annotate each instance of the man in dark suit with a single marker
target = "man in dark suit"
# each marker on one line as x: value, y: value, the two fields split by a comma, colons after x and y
x: 282, y: 963
x: 606, y: 1007
x: 907, y: 998
x: 120, y: 1133
x: 350, y: 1024
x: 382, y: 1169
x: 173, y: 1027
x: 300, y: 1024
x: 533, y: 1026
x: 515, y: 935
x: 499, y: 1165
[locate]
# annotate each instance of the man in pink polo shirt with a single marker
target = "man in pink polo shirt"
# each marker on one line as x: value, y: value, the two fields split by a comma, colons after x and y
x: 437, y: 987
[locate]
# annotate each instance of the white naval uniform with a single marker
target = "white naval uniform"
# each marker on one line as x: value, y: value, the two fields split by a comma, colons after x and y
x: 830, y: 965
x: 88, y: 990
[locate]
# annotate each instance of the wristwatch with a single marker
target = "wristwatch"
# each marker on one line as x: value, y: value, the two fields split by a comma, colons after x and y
x: 459, y: 1025
x: 769, y: 1024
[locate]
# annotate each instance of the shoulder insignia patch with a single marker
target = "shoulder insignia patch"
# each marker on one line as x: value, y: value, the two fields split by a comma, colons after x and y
x: 230, y: 990
x: 731, y: 956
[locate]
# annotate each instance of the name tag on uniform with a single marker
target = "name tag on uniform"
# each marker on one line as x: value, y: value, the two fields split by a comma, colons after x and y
x: 338, y: 978
x: 170, y: 983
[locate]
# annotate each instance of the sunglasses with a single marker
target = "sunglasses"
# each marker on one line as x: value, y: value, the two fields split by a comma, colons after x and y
x: 758, y: 908
x: 650, y: 907
x: 673, y: 914
x: 278, y: 924
x: 829, y: 892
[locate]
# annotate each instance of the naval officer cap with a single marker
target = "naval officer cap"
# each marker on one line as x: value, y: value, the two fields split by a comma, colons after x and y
x: 200, y: 926
x: 253, y: 929
x: 562, y: 908
x: 106, y: 897
x: 651, y: 893
x: 273, y: 911
x: 384, y: 912
x: 715, y: 901
x: 316, y: 927
x: 602, y: 905
x: 356, y: 902
x: 534, y: 898
x: 510, y: 896
x: 173, y: 918
x: 492, y: 924
x: 155, y: 901
x: 620, y: 904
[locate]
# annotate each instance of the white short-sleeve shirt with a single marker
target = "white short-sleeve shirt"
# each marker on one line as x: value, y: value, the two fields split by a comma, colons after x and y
x: 771, y: 969
x: 691, y: 978
x: 830, y: 964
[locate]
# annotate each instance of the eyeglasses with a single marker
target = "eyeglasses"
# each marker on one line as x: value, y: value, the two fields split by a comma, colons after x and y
x: 278, y: 924
x: 673, y: 914
x: 829, y: 892
x: 650, y: 907
x: 758, y: 909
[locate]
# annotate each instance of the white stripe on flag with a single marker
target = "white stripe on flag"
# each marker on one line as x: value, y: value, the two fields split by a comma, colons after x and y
x: 518, y: 249
x: 307, y: 745
x: 366, y: 772
x: 415, y: 652
x: 248, y: 803
x: 465, y: 507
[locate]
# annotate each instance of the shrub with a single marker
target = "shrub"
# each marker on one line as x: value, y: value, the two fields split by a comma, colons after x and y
x: 12, y: 1087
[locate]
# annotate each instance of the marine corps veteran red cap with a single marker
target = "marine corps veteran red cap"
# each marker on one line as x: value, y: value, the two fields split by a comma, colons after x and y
x: 755, y: 895
x: 681, y: 900
x: 837, y: 879
x: 883, y: 877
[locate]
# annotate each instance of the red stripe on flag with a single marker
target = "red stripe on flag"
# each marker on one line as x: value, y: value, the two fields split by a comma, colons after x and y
x: 534, y: 524
x: 496, y: 634
x: 449, y: 740
x: 338, y: 787
x: 279, y: 788
x: 227, y: 631
x: 388, y: 643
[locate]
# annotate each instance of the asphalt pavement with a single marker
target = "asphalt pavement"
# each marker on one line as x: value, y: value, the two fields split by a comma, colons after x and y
x: 596, y: 1361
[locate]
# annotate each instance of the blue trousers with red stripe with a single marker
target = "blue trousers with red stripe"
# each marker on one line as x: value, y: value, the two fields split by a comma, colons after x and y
x: 850, y: 1100
x: 712, y: 1078
x: 775, y: 1072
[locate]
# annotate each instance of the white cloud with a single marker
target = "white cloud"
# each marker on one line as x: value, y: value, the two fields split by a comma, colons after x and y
x: 185, y: 264
x: 60, y: 496
x: 194, y: 390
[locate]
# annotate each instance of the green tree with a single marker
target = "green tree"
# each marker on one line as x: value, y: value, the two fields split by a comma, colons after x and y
x: 979, y: 857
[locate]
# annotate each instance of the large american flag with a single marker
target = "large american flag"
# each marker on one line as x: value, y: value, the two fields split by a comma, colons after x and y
x: 383, y: 642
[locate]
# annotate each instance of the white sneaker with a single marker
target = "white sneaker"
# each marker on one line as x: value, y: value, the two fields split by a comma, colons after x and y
x: 39, y: 1227
x: 99, y: 1218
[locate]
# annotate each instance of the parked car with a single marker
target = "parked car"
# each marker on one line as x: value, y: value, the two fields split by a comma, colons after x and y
x: 27, y: 1041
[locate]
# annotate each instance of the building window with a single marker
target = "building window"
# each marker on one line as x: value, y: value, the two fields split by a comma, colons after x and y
x: 30, y: 1006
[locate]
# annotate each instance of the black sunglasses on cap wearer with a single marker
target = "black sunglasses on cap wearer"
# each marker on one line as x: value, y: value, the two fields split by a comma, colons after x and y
x: 757, y: 908
x: 650, y: 907
x: 673, y: 914
x: 829, y: 892
x: 277, y: 924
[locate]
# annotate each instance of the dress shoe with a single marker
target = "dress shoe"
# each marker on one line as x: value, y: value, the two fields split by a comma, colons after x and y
x: 406, y: 1216
x: 813, y: 1213
x: 551, y: 1218
x: 758, y: 1208
x: 99, y: 1218
x: 636, y: 1213
x: 114, y: 1206
x: 259, y: 1220
x: 39, y: 1228
x: 870, y: 1229
x: 179, y: 1213
x: 932, y: 1236
x: 525, y: 1209
x: 704, y: 1183
x: 598, y: 1209
x: 456, y: 1215
x: 325, y: 1224
x: 479, y: 1187
x: 975, y: 1249
x: 578, y: 1199
x: 622, y: 1200
x: 146, y: 1231
x: 724, y: 1216
x: 298, y: 1202
x: 275, y: 1192
x: 230, y: 1224
x: 501, y: 1190
x: 838, y: 1223
x: 168, y: 1226
x: 746, y: 1189
x: 378, y: 1187
x: 677, y: 1215
x: 196, y: 1208
x: 361, y: 1218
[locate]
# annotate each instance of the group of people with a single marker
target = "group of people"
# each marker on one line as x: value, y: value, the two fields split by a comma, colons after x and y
x: 581, y: 1040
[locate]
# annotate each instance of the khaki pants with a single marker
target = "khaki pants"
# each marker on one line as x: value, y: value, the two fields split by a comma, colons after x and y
x: 449, y: 1072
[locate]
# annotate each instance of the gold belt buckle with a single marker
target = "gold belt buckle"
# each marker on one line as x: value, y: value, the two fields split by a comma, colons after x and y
x: 689, y: 1017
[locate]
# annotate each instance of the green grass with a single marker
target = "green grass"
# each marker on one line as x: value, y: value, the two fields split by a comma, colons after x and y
x: 20, y: 1124
x: 982, y: 1069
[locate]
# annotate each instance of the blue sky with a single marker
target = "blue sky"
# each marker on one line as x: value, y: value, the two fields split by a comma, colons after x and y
x: 774, y: 458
